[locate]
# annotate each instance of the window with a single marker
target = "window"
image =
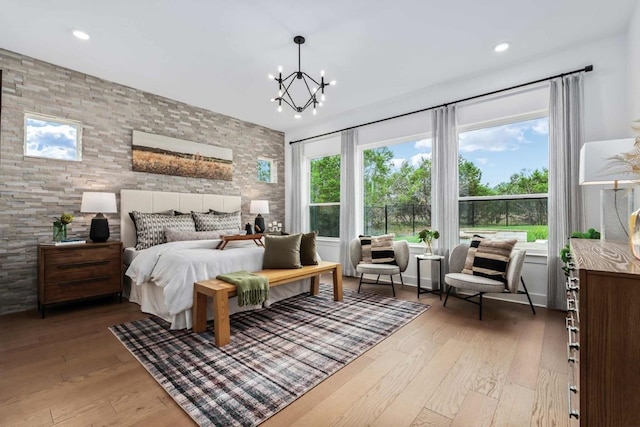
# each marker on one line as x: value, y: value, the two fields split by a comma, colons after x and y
x: 503, y: 181
x: 397, y: 188
x: 267, y: 171
x: 324, y: 195
x: 52, y: 138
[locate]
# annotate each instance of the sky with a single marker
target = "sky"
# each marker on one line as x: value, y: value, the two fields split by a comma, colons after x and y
x: 50, y: 139
x: 498, y: 151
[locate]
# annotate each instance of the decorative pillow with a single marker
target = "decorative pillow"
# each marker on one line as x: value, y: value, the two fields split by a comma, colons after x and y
x: 471, y: 253
x: 230, y: 232
x: 377, y: 249
x: 365, y: 244
x: 169, y: 212
x: 150, y: 227
x: 173, y: 235
x: 210, y: 222
x: 215, y: 212
x: 492, y: 259
x: 308, y: 249
x: 382, y: 249
x: 282, y: 251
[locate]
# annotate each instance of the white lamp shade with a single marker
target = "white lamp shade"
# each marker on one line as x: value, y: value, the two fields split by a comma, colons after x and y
x: 94, y: 202
x: 259, y: 207
x: 595, y: 162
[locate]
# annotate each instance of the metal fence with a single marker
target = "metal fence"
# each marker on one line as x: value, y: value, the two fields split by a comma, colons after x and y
x: 408, y: 219
x: 524, y: 209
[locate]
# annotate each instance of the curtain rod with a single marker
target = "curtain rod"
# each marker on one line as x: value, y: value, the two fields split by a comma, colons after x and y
x: 586, y: 69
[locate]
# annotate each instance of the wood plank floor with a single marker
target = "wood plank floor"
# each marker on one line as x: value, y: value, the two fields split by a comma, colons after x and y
x: 446, y: 368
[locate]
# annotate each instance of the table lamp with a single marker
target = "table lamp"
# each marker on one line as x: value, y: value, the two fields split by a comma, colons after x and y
x: 259, y: 207
x: 598, y: 166
x: 99, y: 203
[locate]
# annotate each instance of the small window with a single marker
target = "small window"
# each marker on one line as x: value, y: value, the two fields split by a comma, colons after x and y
x: 52, y: 138
x: 267, y: 170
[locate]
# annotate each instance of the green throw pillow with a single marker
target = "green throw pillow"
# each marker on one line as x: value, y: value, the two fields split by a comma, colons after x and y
x: 282, y: 251
x: 308, y: 249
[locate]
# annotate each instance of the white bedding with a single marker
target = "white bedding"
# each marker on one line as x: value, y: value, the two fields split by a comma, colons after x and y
x: 162, y: 276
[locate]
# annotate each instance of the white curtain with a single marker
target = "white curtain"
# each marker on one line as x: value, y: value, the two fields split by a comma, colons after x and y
x: 348, y: 168
x: 566, y: 136
x: 444, y: 180
x: 296, y: 188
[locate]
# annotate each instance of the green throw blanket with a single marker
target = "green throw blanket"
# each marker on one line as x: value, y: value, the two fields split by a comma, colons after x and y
x: 252, y: 289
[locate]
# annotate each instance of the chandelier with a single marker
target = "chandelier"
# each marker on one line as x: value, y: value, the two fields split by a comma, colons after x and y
x: 309, y: 83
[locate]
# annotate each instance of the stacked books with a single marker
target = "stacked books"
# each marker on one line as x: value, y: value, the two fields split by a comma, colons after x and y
x: 66, y: 242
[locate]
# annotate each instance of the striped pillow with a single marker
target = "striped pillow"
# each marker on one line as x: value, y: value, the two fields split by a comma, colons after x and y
x: 377, y: 249
x: 471, y: 254
x: 492, y: 259
x: 382, y: 249
x: 365, y: 243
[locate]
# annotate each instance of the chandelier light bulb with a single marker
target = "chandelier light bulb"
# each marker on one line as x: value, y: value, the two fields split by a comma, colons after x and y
x: 279, y: 68
x: 322, y: 73
x: 333, y: 82
x: 314, y: 111
x: 322, y: 97
x: 273, y: 99
x: 320, y: 104
x: 279, y: 94
x: 297, y: 116
x: 280, y: 109
x: 315, y: 89
x: 271, y: 77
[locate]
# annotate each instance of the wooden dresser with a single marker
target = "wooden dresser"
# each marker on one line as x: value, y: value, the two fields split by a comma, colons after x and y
x: 603, y: 323
x: 72, y: 272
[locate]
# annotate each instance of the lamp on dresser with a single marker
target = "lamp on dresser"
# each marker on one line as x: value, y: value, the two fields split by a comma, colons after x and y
x: 599, y: 165
x: 259, y: 207
x: 98, y: 203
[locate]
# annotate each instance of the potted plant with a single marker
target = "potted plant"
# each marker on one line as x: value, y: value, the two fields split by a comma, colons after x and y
x: 427, y: 237
x: 60, y: 226
x: 591, y: 233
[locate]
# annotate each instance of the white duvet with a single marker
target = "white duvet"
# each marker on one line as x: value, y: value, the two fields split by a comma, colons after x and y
x: 176, y: 266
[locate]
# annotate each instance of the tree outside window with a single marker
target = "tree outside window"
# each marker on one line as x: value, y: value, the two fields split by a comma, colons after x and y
x: 503, y: 172
x: 397, y: 189
x: 266, y: 170
x: 324, y: 195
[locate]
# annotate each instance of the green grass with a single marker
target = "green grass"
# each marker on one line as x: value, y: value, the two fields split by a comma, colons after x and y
x: 534, y: 232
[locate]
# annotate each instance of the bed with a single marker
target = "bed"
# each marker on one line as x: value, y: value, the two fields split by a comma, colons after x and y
x: 160, y: 278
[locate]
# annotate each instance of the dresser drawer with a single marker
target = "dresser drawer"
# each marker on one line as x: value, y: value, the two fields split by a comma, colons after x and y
x: 76, y: 255
x: 81, y: 288
x: 79, y: 270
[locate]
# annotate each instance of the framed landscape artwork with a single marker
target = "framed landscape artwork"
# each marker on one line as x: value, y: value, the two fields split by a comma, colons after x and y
x: 172, y: 156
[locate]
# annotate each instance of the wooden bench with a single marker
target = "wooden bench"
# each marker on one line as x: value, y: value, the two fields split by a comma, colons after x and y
x: 221, y: 291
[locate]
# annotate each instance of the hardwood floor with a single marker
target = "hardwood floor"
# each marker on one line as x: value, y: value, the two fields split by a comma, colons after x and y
x: 446, y: 368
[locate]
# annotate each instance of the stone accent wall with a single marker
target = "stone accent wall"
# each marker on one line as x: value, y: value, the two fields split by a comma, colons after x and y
x: 33, y: 191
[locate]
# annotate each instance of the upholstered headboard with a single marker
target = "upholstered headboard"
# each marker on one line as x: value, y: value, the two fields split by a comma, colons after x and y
x: 156, y: 201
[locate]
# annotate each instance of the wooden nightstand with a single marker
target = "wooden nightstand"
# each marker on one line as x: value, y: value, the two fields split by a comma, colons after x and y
x: 73, y: 272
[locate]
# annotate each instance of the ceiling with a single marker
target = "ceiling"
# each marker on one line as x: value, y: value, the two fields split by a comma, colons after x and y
x: 217, y: 54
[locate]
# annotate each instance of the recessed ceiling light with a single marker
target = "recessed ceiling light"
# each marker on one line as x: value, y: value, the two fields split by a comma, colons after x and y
x: 81, y: 35
x: 501, y: 47
x: 297, y: 116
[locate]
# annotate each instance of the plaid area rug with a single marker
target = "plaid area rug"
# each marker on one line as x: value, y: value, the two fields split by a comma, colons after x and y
x: 275, y: 355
